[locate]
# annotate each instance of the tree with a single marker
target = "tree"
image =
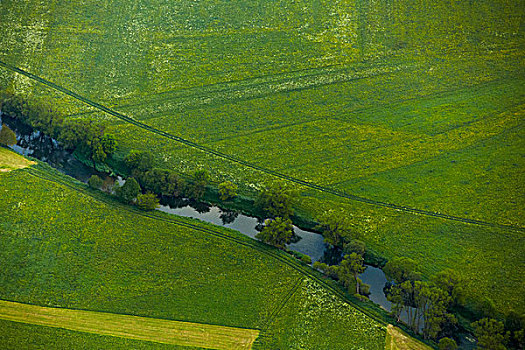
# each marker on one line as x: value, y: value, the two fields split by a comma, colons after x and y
x: 447, y: 344
x: 490, y: 334
x: 147, y: 201
x: 95, y: 182
x: 435, y: 311
x: 196, y: 188
x: 138, y: 160
x: 129, y: 190
x: 336, y: 228
x: 451, y: 282
x: 7, y: 136
x: 277, y: 232
x: 227, y: 190
x: 275, y: 201
x: 355, y: 246
x: 402, y: 269
x: 350, y: 268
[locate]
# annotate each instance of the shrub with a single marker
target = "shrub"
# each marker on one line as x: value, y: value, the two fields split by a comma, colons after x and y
x: 7, y: 136
x: 147, y: 201
x: 129, y: 190
x: 227, y: 190
x: 95, y: 182
x: 447, y: 344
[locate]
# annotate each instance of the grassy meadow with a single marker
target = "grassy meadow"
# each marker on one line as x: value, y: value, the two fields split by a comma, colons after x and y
x: 419, y: 104
x: 66, y: 246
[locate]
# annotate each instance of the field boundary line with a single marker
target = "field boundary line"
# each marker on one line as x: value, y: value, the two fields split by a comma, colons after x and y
x: 131, y: 327
x: 247, y: 164
x: 283, y: 303
x: 286, y: 259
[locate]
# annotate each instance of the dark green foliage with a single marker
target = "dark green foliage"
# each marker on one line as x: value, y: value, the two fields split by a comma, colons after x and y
x: 451, y: 282
x: 7, y: 136
x: 490, y: 334
x: 138, y: 160
x: 447, y: 344
x: 227, y: 190
x: 337, y: 228
x: 277, y: 232
x: 329, y: 270
x: 350, y: 268
x: 402, y: 269
x: 364, y: 288
x: 148, y: 201
x: 196, y: 188
x: 355, y: 246
x: 276, y: 201
x: 129, y: 191
x: 95, y: 182
x: 162, y: 182
x: 515, y: 325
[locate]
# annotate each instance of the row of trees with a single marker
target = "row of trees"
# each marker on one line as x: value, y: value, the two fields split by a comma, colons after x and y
x: 87, y: 137
x: 427, y: 303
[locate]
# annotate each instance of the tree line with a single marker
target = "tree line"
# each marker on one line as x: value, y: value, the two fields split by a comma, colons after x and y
x: 427, y: 303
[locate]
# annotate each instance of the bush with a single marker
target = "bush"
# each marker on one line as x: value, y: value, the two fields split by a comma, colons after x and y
x: 227, y: 190
x: 95, y: 182
x: 196, y: 188
x: 147, y: 201
x: 7, y: 136
x: 129, y: 190
x: 275, y: 201
x: 277, y: 232
x: 138, y: 160
x: 447, y: 344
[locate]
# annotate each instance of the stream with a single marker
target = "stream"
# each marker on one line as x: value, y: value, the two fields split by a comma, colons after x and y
x: 37, y: 145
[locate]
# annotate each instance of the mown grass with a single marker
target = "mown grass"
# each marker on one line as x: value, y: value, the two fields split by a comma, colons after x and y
x: 61, y: 247
x: 396, y: 339
x: 132, y: 327
x: 9, y: 160
x: 15, y: 335
x: 417, y: 104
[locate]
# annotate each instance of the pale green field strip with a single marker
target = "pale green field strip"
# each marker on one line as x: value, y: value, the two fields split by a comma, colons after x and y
x: 132, y: 327
x: 9, y: 160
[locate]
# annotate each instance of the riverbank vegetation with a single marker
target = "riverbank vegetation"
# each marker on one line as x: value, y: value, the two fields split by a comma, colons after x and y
x: 105, y: 256
x: 404, y: 117
x: 417, y: 298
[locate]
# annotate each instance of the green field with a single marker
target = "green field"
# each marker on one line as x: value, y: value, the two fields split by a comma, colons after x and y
x: 132, y: 327
x: 63, y: 245
x: 417, y: 104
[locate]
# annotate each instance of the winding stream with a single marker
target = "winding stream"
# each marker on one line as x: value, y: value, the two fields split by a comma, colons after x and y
x: 35, y: 144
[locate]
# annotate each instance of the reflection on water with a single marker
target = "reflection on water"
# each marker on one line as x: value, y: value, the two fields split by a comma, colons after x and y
x: 35, y: 144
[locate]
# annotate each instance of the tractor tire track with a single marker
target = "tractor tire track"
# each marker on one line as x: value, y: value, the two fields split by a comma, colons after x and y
x: 249, y: 243
x: 247, y: 164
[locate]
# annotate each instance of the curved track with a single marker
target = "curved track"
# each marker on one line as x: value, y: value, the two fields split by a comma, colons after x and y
x: 252, y: 165
x: 267, y: 250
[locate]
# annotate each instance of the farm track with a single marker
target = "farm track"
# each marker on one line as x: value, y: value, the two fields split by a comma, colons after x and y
x: 247, y: 164
x: 283, y: 303
x: 444, y: 154
x: 267, y: 250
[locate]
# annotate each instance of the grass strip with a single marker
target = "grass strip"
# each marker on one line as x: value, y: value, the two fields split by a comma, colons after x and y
x: 132, y: 327
x: 9, y: 160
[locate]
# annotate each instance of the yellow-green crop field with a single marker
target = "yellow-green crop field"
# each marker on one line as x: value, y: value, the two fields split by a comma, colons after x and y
x: 419, y: 104
x: 65, y: 246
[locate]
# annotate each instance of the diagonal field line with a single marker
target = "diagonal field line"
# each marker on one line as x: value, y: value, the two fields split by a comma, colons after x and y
x: 131, y: 327
x: 247, y: 164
